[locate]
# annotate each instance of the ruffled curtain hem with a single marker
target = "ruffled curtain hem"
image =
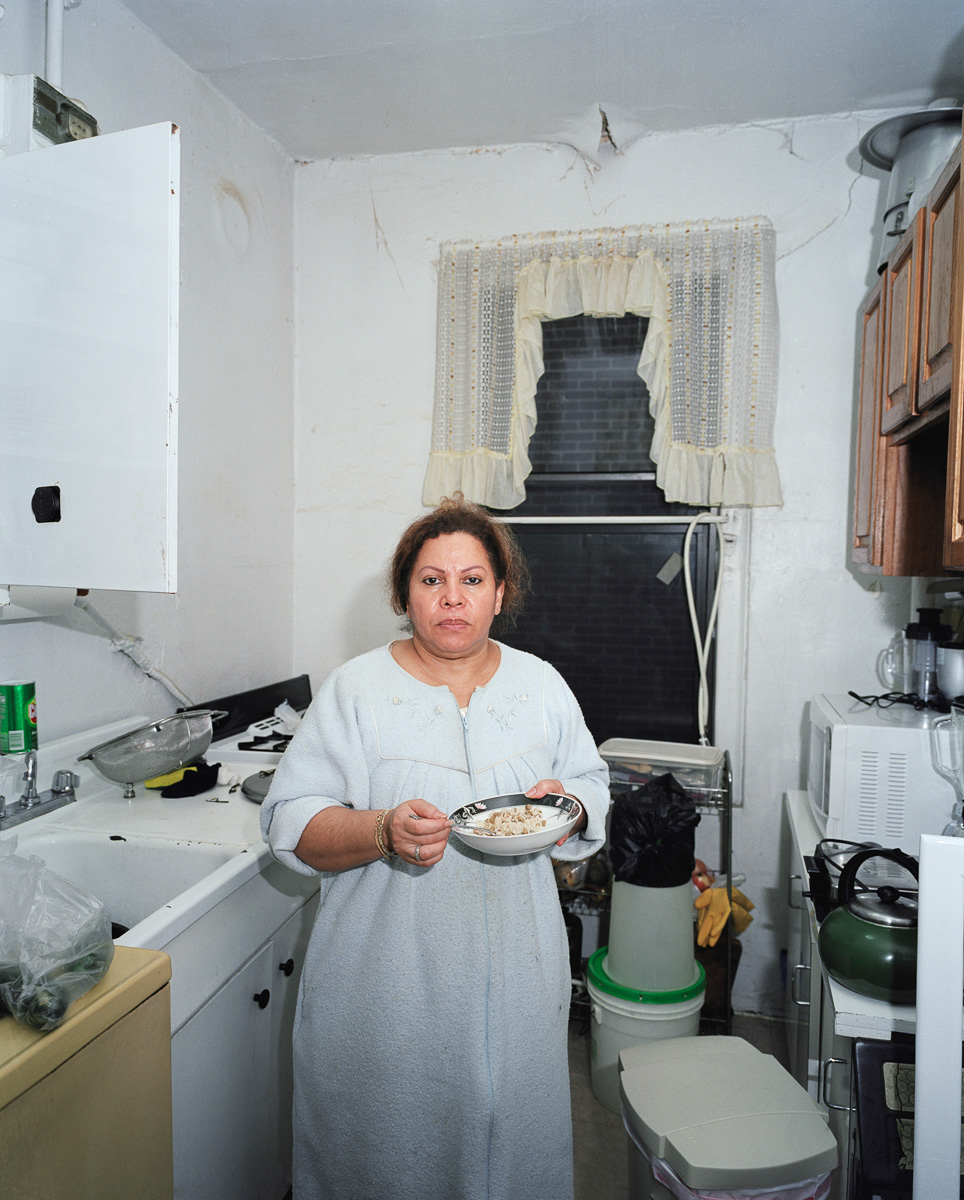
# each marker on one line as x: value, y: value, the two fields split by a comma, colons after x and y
x: 482, y: 476
x: 726, y: 476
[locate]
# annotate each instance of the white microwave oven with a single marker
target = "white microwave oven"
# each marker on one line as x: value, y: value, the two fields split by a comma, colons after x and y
x: 871, y: 777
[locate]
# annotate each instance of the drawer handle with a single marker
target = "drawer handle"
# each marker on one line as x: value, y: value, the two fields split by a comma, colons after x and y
x: 286, y: 968
x: 825, y: 1084
x: 790, y: 904
x: 793, y: 985
x: 262, y: 998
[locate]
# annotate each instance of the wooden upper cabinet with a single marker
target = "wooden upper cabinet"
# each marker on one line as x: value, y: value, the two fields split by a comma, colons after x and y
x: 954, y: 502
x: 902, y: 282
x: 867, y: 548
x: 936, y: 351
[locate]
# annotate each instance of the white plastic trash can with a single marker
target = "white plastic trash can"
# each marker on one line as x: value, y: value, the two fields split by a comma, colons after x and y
x: 622, y: 1017
x: 713, y: 1118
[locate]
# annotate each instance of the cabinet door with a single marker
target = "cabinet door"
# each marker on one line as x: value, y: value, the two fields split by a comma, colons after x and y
x: 220, y: 1062
x: 836, y: 1091
x: 870, y: 496
x: 902, y: 281
x: 954, y: 504
x: 288, y: 956
x: 88, y: 362
x: 797, y: 999
x: 936, y: 349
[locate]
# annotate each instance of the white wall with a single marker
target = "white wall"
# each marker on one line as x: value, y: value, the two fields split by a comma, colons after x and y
x: 229, y: 626
x: 367, y: 233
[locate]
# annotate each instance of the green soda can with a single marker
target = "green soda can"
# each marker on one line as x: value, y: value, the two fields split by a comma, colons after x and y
x: 18, y: 717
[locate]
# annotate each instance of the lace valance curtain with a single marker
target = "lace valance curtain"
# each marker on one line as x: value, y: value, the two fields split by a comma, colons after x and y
x: 709, y: 359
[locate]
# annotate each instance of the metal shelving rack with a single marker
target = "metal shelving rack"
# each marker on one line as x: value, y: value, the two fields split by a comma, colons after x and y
x: 716, y: 801
x: 719, y: 801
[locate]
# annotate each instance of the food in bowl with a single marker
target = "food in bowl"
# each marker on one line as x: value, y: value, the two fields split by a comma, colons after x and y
x: 506, y: 822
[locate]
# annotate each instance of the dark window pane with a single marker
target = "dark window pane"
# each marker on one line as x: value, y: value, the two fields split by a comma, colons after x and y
x: 620, y: 637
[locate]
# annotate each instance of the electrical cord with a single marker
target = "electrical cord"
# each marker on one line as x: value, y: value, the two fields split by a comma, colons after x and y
x: 889, y: 699
x: 702, y: 641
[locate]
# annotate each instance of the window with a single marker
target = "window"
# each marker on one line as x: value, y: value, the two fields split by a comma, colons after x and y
x: 600, y: 612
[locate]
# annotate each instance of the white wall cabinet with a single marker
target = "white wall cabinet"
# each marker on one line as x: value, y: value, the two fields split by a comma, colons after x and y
x: 88, y: 362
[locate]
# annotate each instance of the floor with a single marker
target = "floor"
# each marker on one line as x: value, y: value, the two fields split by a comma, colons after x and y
x: 600, y: 1148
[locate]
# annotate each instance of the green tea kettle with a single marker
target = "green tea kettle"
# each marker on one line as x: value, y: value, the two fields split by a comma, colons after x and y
x: 869, y: 942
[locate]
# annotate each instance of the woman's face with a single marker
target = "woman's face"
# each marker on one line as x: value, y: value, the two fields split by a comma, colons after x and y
x: 453, y: 596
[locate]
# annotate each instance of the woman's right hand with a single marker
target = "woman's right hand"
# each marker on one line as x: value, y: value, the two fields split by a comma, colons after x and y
x: 418, y: 832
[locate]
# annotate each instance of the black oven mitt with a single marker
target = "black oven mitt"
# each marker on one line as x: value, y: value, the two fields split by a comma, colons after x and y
x: 197, y: 778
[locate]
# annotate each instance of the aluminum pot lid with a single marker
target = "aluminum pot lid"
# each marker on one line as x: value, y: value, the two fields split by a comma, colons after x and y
x: 255, y: 787
x: 885, y: 906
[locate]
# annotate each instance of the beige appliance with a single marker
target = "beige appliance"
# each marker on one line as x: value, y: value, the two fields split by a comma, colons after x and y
x: 85, y: 1110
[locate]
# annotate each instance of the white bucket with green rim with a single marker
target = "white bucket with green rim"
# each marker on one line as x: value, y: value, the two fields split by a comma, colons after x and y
x: 624, y: 1017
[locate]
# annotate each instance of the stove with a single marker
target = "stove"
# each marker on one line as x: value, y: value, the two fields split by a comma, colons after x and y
x: 262, y: 742
x: 251, y: 734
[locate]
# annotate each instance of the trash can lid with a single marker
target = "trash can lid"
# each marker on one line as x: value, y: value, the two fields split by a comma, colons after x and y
x: 723, y: 1114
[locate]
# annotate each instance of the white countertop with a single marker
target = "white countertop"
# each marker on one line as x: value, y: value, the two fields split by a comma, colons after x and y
x: 220, y: 816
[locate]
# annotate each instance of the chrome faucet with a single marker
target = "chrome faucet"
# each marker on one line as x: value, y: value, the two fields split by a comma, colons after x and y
x: 30, y: 796
x: 34, y: 804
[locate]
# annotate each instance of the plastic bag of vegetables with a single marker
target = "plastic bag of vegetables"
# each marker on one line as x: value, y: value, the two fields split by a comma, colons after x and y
x: 55, y: 940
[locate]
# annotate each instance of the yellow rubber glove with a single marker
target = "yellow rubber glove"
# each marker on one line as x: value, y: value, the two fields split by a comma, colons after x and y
x: 740, y: 899
x: 740, y: 918
x: 713, y: 908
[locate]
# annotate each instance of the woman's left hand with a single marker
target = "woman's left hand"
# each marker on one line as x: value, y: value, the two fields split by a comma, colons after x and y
x: 543, y: 788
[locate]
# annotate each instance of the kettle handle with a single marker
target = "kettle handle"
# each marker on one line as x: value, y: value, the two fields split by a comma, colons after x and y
x: 845, y: 885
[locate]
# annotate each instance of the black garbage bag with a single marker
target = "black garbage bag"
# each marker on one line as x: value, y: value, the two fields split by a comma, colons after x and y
x: 652, y: 834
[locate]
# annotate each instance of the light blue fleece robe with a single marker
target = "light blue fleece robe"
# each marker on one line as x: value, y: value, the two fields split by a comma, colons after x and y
x: 431, y: 1029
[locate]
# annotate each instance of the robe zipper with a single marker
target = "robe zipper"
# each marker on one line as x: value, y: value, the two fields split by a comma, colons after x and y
x: 488, y: 952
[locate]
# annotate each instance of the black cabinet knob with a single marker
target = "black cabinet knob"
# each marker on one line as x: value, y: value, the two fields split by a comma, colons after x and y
x: 45, y: 503
x: 286, y: 968
x: 262, y: 998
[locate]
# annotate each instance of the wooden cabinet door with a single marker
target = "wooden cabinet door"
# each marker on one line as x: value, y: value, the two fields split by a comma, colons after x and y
x: 903, y: 283
x: 936, y: 351
x: 954, y: 499
x: 867, y: 547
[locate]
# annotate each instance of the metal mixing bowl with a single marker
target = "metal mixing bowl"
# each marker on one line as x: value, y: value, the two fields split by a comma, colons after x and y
x: 155, y: 749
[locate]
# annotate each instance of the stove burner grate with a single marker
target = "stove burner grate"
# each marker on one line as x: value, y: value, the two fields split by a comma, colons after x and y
x: 276, y: 743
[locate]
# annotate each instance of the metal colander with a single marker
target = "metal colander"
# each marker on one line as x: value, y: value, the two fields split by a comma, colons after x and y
x: 155, y: 749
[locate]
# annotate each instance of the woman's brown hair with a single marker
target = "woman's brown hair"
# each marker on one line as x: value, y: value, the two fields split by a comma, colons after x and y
x: 455, y: 514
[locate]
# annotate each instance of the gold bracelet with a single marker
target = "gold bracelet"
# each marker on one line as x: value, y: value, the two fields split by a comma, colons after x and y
x: 383, y: 849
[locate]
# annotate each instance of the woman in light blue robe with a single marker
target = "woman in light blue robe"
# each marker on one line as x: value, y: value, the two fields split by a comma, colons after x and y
x: 431, y: 1030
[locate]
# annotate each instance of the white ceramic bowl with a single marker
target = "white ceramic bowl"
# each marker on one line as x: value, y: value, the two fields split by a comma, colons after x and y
x: 560, y: 814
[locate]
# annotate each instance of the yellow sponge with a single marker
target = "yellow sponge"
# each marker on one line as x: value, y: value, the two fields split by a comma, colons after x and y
x: 163, y: 781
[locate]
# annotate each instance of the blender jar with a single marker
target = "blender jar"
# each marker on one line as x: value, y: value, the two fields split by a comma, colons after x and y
x: 922, y: 638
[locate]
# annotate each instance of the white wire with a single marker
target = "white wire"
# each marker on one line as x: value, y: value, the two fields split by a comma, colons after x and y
x: 127, y: 644
x: 702, y: 643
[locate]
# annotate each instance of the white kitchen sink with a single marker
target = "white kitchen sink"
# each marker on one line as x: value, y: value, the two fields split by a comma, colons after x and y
x: 132, y: 876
